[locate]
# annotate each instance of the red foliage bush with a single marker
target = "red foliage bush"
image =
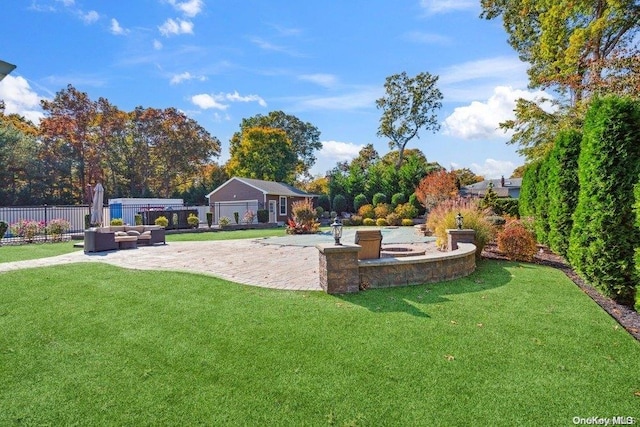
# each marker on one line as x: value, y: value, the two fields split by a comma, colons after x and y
x: 516, y: 242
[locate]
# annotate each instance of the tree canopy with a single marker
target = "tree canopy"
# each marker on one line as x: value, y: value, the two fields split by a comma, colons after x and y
x: 263, y: 153
x: 304, y: 137
x: 409, y: 104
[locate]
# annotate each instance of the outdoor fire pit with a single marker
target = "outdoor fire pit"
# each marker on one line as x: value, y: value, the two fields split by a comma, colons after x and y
x: 397, y: 251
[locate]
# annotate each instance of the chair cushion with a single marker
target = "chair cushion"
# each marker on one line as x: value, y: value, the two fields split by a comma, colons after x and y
x: 121, y: 233
x: 133, y: 233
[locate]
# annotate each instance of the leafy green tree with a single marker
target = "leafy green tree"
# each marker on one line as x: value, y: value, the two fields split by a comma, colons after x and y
x: 541, y: 203
x: 604, y: 234
x: 339, y: 204
x: 409, y: 104
x: 571, y: 45
x: 466, y: 176
x: 264, y: 153
x: 304, y: 137
x: 563, y: 189
x: 577, y: 48
x: 490, y: 198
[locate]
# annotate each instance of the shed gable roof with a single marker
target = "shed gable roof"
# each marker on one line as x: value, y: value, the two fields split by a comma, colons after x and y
x: 266, y: 187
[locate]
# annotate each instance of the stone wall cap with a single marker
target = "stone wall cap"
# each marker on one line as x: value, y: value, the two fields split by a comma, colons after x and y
x: 333, y: 248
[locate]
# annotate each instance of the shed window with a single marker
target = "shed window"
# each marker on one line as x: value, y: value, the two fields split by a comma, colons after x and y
x: 283, y: 205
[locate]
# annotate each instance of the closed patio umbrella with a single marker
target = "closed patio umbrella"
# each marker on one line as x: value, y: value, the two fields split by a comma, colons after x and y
x: 96, y: 206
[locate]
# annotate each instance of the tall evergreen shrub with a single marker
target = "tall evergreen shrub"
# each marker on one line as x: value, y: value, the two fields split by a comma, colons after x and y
x: 358, y: 201
x: 541, y: 203
x: 528, y: 190
x: 604, y: 234
x: 563, y: 188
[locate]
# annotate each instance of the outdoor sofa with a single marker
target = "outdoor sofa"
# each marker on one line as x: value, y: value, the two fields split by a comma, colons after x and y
x: 122, y: 237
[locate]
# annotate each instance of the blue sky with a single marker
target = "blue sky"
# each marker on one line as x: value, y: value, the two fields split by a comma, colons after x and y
x: 325, y: 62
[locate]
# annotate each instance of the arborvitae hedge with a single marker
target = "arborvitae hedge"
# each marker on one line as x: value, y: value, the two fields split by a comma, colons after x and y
x: 528, y: 190
x: 563, y: 188
x: 542, y: 203
x: 604, y: 233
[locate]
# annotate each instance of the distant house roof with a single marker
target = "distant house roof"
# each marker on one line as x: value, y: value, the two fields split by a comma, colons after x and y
x: 503, y: 187
x: 266, y: 187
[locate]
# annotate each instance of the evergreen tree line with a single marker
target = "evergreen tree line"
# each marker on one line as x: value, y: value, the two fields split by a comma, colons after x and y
x: 584, y: 196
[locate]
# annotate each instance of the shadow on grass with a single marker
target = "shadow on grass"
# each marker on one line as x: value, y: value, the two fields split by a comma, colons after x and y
x: 405, y: 299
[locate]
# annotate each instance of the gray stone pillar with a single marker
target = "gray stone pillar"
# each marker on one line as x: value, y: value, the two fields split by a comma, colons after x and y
x: 455, y: 236
x: 339, y: 268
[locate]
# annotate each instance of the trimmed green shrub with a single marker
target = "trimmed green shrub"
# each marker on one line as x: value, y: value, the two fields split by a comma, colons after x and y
x: 263, y: 215
x: 382, y: 210
x: 324, y: 202
x: 563, y: 188
x: 356, y: 220
x: 223, y: 221
x: 413, y: 201
x: 117, y: 221
x: 319, y: 211
x: 368, y: 222
x: 162, y: 221
x: 528, y: 190
x: 210, y: 218
x: 398, y: 199
x: 604, y: 234
x: 339, y: 203
x: 507, y: 206
x: 490, y: 199
x: 496, y: 220
x: 379, y: 198
x: 406, y: 211
x: 407, y: 222
x: 366, y: 211
x: 236, y: 217
x: 193, y: 220
x: 137, y: 219
x: 381, y: 222
x: 358, y: 201
x: 394, y: 219
x: 542, y: 203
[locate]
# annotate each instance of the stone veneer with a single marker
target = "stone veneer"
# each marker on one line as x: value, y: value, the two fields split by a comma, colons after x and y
x: 341, y: 271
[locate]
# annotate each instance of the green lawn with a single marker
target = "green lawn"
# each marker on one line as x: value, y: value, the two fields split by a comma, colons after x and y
x: 93, y: 344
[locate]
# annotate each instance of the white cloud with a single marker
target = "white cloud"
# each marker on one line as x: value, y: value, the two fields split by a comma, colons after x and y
x: 492, y: 169
x: 157, y: 44
x: 325, y: 80
x: 175, y: 27
x: 444, y: 6
x: 116, y: 29
x: 67, y: 2
x: 206, y: 101
x: 480, y: 120
x: 235, y: 97
x: 179, y: 78
x: 339, y: 151
x: 89, y: 17
x: 20, y: 99
x: 267, y: 45
x: 189, y: 8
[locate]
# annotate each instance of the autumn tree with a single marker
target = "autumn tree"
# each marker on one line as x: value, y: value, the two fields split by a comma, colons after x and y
x: 66, y: 135
x: 304, y: 137
x: 436, y: 187
x: 264, y: 153
x: 409, y: 104
x: 465, y: 176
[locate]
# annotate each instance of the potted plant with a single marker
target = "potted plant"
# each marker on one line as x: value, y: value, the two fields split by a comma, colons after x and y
x: 117, y: 221
x: 138, y: 219
x: 193, y: 220
x: 162, y: 221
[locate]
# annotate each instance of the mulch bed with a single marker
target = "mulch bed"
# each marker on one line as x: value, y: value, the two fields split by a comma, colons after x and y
x: 627, y: 318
